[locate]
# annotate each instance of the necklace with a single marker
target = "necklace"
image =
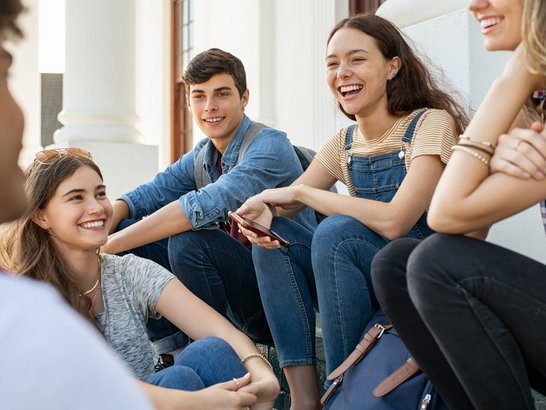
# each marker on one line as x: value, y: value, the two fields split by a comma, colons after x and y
x: 95, y: 287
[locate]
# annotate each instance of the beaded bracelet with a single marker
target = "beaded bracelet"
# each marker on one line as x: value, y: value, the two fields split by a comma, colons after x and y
x: 261, y: 356
x: 488, y: 151
x: 488, y: 144
x: 471, y: 152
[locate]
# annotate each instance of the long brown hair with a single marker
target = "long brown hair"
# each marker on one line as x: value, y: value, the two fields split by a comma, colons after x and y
x: 27, y: 249
x: 413, y: 87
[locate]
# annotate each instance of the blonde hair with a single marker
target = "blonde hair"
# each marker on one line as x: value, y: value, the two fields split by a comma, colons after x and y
x: 534, y: 34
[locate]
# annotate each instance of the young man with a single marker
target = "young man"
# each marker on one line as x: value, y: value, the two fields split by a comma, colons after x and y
x: 199, y: 246
x: 48, y: 353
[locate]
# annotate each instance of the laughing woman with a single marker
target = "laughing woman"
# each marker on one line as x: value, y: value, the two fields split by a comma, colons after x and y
x: 57, y: 241
x: 390, y: 160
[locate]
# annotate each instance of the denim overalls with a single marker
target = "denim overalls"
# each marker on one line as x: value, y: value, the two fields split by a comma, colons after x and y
x: 378, y: 178
x: 330, y: 266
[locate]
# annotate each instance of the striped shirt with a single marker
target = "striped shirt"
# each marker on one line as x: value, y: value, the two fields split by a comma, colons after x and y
x: 435, y: 135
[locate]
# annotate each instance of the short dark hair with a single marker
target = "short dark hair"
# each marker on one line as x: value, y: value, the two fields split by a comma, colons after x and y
x: 215, y: 61
x: 9, y: 11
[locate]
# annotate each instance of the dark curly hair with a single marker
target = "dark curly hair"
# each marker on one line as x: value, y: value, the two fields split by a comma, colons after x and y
x: 413, y: 86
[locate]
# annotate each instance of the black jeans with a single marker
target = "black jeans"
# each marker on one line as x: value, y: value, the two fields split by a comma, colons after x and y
x: 473, y: 314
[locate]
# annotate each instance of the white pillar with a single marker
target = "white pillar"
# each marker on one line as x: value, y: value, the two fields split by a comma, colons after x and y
x: 99, y: 92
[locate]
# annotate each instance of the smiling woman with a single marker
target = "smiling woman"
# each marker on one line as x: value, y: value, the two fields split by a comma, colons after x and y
x: 390, y: 160
x: 57, y: 241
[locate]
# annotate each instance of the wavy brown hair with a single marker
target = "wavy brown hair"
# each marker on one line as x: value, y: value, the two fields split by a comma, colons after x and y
x: 27, y: 249
x: 413, y: 87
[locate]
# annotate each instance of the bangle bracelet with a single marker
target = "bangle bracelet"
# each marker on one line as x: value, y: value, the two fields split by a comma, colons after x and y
x: 471, y: 152
x: 261, y: 356
x: 488, y: 144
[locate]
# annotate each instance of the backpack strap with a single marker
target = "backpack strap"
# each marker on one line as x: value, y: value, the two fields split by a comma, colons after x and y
x: 201, y: 176
x: 395, y: 379
x: 251, y: 133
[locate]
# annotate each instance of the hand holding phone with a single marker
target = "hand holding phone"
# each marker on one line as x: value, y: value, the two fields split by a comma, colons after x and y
x: 258, y: 229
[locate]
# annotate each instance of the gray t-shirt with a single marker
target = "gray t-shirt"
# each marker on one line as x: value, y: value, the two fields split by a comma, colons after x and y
x: 131, y: 287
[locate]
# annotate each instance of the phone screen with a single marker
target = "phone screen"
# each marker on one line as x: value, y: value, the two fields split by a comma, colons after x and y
x: 258, y: 229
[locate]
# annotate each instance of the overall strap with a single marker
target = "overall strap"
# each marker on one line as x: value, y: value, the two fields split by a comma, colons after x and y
x: 408, y: 135
x: 349, y: 136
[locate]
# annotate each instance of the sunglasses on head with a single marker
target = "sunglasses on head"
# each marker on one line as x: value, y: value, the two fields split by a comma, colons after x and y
x: 48, y: 154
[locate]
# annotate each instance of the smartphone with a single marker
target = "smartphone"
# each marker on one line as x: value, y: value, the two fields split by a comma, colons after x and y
x: 258, y: 229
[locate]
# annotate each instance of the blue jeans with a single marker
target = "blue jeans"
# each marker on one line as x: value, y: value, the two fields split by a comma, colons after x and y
x: 201, y: 364
x: 331, y: 266
x: 473, y: 314
x: 342, y: 253
x: 287, y: 288
x: 216, y: 268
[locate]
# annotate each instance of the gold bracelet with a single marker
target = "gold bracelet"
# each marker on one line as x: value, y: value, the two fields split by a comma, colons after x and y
x: 261, y: 356
x: 471, y: 152
x: 488, y: 151
x: 488, y: 144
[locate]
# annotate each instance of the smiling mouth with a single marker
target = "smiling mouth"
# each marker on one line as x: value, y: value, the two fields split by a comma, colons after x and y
x: 489, y: 22
x: 348, y: 90
x: 214, y: 120
x: 93, y: 224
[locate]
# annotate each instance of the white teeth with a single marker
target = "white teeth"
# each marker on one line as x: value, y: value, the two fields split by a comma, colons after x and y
x: 93, y: 224
x: 213, y: 120
x: 488, y: 22
x: 347, y: 88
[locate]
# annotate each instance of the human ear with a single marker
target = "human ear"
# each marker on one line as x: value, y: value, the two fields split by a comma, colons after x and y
x: 39, y: 219
x: 244, y: 98
x: 394, y: 67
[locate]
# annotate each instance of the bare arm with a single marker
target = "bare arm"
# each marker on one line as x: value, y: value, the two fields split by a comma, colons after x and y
x: 174, y: 303
x: 163, y: 223
x: 390, y: 219
x: 468, y: 197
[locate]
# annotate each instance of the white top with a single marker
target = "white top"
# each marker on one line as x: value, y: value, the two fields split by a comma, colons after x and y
x: 51, y: 359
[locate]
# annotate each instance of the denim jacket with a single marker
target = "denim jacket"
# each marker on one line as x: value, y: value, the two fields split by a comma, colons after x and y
x: 269, y: 162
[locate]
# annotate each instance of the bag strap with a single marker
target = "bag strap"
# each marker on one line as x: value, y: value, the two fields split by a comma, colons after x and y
x: 395, y: 379
x: 362, y: 348
x: 201, y: 175
x: 251, y: 133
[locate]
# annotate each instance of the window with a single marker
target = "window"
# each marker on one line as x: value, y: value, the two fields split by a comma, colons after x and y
x: 182, y: 23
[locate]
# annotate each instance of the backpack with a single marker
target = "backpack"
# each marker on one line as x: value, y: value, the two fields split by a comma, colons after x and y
x: 305, y: 156
x: 380, y: 374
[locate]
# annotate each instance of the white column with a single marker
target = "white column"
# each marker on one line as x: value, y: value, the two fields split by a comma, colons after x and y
x: 99, y: 92
x: 99, y: 80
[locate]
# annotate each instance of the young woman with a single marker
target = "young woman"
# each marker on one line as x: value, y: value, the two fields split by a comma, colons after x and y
x: 472, y: 313
x: 57, y: 241
x: 390, y: 161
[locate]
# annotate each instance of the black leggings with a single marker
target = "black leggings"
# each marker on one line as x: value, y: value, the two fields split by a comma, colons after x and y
x: 473, y: 314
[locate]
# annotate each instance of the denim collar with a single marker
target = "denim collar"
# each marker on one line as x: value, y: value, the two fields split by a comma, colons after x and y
x: 231, y: 153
